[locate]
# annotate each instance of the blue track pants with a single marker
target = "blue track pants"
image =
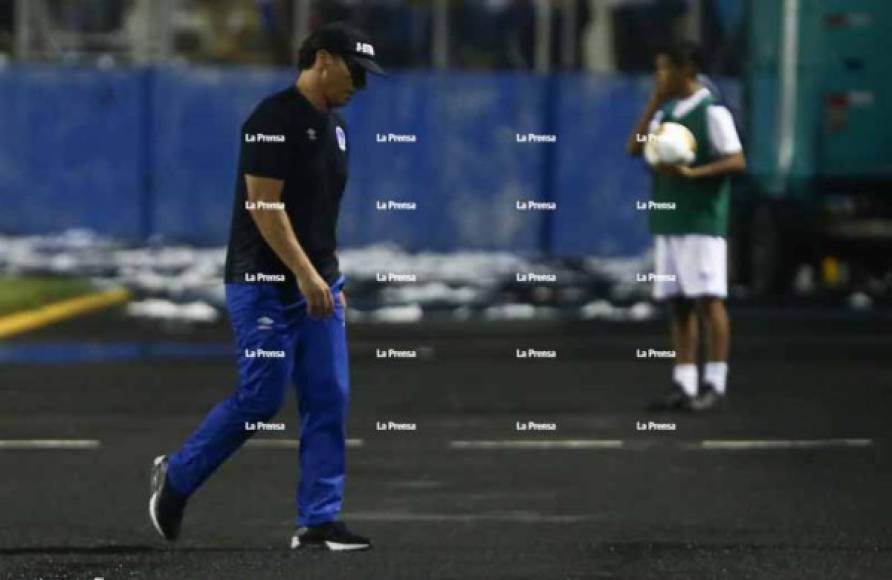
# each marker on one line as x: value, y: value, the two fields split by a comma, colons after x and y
x: 314, y: 359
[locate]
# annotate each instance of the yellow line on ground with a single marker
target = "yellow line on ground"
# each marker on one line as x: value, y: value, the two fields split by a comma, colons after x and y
x: 20, y: 322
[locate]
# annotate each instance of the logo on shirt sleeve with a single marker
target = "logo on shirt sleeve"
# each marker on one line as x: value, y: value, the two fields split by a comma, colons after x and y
x: 365, y: 48
x: 342, y: 138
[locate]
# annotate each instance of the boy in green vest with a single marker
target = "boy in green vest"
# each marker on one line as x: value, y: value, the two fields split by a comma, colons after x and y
x: 691, y: 224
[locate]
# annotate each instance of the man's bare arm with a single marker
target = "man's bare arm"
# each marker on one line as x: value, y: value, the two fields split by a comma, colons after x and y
x: 276, y: 229
x: 728, y: 165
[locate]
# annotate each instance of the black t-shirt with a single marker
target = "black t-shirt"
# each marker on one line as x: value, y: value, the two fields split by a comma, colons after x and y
x: 287, y: 138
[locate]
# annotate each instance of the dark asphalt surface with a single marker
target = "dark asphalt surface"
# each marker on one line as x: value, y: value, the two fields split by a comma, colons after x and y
x: 659, y: 507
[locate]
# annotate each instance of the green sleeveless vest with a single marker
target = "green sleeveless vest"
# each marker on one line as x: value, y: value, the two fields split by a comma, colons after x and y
x: 702, y: 205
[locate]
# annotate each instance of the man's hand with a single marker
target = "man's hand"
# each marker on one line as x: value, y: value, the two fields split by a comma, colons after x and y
x: 728, y: 165
x: 677, y: 170
x: 320, y: 303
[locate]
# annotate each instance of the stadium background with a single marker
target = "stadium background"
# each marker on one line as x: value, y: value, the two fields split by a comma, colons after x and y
x: 119, y: 118
x: 119, y: 125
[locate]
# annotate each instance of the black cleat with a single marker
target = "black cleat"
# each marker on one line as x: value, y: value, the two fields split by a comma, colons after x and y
x: 165, y: 506
x: 709, y: 399
x: 331, y: 536
x: 675, y: 399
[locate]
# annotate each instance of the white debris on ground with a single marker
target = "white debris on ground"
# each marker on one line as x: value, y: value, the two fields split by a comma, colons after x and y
x: 470, y: 268
x: 185, y: 282
x: 510, y: 312
x: 601, y: 309
x: 406, y: 313
x: 168, y: 310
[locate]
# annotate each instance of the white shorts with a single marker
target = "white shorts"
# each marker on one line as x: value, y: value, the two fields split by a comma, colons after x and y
x: 690, y: 266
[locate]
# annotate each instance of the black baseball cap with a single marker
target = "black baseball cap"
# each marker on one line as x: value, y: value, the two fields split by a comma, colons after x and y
x: 339, y: 38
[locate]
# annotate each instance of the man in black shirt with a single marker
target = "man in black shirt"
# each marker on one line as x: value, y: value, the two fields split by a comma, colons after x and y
x: 284, y: 293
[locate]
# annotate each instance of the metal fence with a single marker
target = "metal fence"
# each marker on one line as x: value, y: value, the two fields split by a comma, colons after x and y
x: 540, y: 35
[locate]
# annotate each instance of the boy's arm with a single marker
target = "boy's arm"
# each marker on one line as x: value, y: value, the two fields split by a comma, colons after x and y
x: 724, y: 141
x: 728, y: 165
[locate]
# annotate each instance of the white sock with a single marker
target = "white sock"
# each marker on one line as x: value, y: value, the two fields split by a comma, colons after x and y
x: 686, y: 376
x: 716, y: 374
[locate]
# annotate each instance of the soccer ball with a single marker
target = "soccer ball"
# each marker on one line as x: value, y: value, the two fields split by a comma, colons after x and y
x: 672, y: 144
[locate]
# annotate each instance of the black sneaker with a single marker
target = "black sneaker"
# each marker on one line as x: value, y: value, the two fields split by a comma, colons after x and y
x: 332, y: 536
x: 675, y: 399
x: 709, y: 399
x: 165, y: 506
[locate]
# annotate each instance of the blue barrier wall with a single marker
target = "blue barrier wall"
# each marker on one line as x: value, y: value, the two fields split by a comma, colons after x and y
x: 71, y: 145
x: 195, y: 123
x: 596, y: 183
x: 466, y: 172
x: 139, y: 152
